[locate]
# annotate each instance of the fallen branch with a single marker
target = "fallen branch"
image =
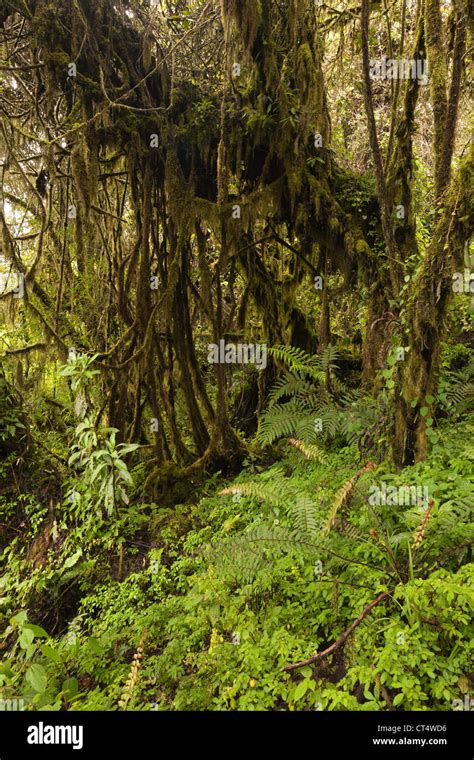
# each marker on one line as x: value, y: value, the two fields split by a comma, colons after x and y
x: 342, y: 638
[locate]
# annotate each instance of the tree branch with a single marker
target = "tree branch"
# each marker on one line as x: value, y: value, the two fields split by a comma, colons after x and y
x: 342, y: 638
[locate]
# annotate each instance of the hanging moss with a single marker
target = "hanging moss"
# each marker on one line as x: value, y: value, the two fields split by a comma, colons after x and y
x: 249, y: 145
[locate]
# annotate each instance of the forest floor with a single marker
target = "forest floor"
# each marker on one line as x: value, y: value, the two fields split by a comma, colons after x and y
x: 201, y: 606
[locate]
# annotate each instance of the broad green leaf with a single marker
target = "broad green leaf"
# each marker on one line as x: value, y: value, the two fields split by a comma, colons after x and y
x: 19, y: 619
x: 37, y: 630
x: 52, y: 653
x: 26, y: 638
x: 37, y: 678
x: 301, y: 690
x: 71, y: 561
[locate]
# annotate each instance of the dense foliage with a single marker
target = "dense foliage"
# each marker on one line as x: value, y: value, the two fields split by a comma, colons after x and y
x: 236, y: 356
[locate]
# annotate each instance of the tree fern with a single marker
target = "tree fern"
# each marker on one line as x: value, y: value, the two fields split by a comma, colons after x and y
x: 311, y: 404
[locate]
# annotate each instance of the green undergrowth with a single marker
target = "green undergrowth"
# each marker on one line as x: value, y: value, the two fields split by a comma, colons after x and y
x: 202, y: 610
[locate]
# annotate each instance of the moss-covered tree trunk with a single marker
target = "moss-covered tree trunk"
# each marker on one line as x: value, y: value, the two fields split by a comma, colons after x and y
x: 432, y: 287
x: 430, y: 297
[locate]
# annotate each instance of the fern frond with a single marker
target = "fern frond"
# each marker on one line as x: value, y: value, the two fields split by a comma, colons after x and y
x: 248, y: 553
x: 315, y: 366
x: 288, y: 385
x: 309, y: 450
x: 305, y: 518
x: 338, y: 386
x: 329, y: 358
x: 460, y: 394
x: 343, y: 496
x: 351, y: 396
x: 341, y: 499
x: 281, y: 420
x: 347, y: 528
x: 296, y: 359
x: 453, y: 514
x: 461, y: 397
x: 331, y: 420
x: 258, y: 490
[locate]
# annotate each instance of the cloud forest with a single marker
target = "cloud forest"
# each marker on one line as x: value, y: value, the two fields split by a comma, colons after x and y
x: 236, y: 359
